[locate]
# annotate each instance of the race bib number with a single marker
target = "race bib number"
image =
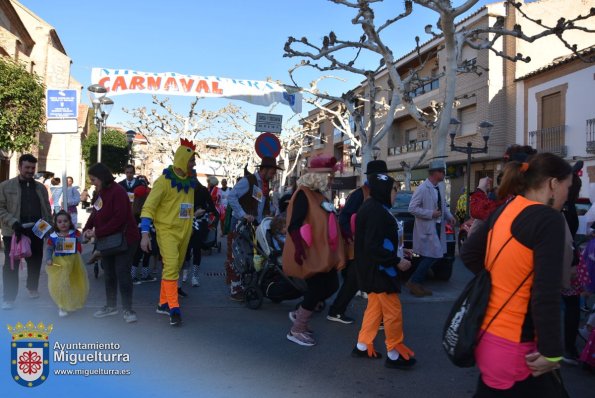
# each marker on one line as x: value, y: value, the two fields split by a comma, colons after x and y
x: 65, y: 246
x: 186, y: 210
x: 98, y: 204
x: 257, y: 193
x: 131, y: 196
x: 41, y: 228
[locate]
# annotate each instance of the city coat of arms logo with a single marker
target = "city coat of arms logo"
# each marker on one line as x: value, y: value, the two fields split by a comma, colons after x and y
x: 30, y: 353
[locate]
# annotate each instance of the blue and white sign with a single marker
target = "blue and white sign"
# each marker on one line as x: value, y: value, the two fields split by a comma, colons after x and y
x: 61, y: 104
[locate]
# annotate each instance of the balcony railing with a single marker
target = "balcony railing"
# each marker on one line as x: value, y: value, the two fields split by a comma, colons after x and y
x: 411, y: 147
x: 551, y: 139
x: 591, y: 136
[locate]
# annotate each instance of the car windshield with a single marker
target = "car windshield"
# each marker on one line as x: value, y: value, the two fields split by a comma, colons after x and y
x: 402, y: 201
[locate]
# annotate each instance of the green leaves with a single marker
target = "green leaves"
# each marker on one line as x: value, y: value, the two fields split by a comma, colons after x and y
x: 114, y: 149
x: 22, y: 99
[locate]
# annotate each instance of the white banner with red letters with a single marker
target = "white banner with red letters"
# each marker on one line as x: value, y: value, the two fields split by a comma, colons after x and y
x: 126, y: 81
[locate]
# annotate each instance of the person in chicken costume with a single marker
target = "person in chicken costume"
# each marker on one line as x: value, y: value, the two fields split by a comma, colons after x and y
x: 170, y: 208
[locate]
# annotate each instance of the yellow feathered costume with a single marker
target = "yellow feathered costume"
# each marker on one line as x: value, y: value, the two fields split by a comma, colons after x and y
x: 170, y: 206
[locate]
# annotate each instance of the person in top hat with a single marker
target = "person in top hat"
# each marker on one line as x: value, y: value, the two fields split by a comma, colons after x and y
x: 315, y: 250
x: 428, y: 206
x: 349, y: 287
x: 249, y: 200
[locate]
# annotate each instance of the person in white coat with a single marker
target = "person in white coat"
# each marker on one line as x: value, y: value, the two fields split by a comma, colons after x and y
x: 428, y: 206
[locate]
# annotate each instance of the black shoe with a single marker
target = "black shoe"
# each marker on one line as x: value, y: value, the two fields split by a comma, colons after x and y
x: 400, y: 363
x: 341, y: 318
x: 182, y: 293
x: 357, y: 353
x: 175, y: 318
x: 163, y: 309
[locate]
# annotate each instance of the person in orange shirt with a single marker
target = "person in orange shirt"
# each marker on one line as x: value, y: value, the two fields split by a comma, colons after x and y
x: 523, y: 247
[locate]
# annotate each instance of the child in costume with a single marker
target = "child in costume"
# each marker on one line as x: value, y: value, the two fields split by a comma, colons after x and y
x: 67, y: 278
x: 170, y: 208
x: 378, y: 257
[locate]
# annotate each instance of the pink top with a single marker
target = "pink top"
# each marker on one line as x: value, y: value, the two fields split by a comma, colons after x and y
x: 501, y: 361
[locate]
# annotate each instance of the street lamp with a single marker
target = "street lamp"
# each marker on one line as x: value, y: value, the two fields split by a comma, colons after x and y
x: 130, y: 134
x: 485, y: 128
x: 375, y: 152
x: 102, y: 106
x: 353, y: 154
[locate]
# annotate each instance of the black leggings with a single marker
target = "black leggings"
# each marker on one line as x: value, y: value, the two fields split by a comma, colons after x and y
x: 196, y: 244
x: 320, y: 287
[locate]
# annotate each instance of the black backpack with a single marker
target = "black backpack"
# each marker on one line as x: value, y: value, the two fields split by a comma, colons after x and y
x: 461, y: 332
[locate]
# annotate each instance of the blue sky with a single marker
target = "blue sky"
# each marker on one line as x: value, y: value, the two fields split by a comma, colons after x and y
x: 229, y: 38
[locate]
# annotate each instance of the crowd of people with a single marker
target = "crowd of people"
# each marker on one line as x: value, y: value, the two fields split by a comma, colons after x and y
x: 523, y: 234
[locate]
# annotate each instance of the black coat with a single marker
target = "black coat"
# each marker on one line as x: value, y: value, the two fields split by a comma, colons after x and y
x: 373, y: 225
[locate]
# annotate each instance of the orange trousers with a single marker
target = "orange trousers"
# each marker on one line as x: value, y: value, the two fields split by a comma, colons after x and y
x: 169, y: 294
x: 384, y: 307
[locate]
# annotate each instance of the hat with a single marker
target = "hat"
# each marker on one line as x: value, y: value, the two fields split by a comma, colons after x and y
x: 141, y: 191
x: 376, y: 166
x: 270, y: 162
x: 437, y: 165
x: 323, y: 164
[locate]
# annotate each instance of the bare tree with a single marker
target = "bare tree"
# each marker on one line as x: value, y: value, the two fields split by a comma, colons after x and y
x: 335, y: 54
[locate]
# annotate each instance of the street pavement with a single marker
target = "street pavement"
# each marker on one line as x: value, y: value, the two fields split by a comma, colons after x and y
x: 224, y: 349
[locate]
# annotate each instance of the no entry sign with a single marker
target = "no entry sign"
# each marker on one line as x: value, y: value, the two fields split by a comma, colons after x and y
x: 267, y: 145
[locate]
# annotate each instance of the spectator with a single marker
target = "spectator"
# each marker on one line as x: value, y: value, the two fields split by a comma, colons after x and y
x: 23, y: 201
x: 112, y: 214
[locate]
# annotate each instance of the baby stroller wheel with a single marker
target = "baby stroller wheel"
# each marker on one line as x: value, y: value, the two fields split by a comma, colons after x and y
x: 253, y: 297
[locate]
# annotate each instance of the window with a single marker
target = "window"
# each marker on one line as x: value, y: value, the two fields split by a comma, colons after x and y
x: 468, y: 120
x: 411, y: 136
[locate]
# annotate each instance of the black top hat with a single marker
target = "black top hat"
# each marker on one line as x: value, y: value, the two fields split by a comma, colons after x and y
x: 269, y: 162
x: 376, y: 166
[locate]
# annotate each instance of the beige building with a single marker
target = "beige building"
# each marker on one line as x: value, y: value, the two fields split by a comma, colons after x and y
x: 27, y: 38
x: 491, y: 96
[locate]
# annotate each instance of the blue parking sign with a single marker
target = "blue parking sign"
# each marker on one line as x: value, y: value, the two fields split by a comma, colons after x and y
x: 61, y: 104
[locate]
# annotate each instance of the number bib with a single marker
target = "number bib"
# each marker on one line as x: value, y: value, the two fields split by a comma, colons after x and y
x: 186, y: 210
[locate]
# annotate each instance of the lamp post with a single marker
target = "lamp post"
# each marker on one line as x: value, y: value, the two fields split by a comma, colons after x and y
x: 130, y: 134
x: 485, y: 128
x: 303, y: 164
x: 353, y: 153
x: 102, y: 106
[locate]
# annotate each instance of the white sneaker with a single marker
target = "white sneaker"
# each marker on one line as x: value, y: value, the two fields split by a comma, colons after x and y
x: 62, y: 313
x: 7, y: 305
x: 184, y: 275
x: 34, y: 294
x: 195, y: 281
x: 130, y: 316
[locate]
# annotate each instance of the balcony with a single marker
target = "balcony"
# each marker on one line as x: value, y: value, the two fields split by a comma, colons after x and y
x: 591, y: 136
x: 551, y: 139
x: 411, y: 147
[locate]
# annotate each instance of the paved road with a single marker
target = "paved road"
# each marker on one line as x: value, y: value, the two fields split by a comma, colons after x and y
x: 226, y: 350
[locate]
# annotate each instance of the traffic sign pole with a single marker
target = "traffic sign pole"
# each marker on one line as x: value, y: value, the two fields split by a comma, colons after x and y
x: 61, y: 113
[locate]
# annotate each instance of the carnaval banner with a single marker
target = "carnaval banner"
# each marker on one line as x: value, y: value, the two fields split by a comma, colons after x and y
x: 126, y: 81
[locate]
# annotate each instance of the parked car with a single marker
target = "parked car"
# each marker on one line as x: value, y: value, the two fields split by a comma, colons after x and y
x: 441, y: 270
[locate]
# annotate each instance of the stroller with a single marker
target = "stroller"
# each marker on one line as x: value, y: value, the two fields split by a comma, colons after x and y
x: 257, y: 257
